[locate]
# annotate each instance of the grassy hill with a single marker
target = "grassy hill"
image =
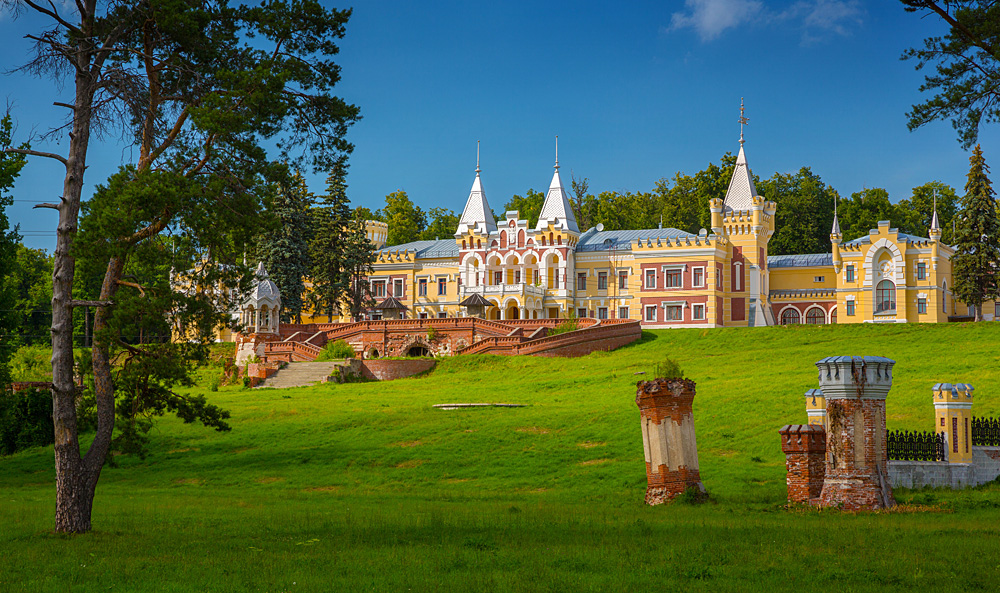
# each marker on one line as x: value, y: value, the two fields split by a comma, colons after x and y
x: 366, y: 486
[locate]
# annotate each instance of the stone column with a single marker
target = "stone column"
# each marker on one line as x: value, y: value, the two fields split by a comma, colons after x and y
x: 856, y: 469
x: 953, y: 417
x: 804, y: 446
x: 668, y: 439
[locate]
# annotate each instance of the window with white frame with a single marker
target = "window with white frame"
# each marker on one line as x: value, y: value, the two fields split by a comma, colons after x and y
x: 850, y: 308
x: 581, y: 313
x: 698, y: 311
x: 718, y: 277
x: 623, y: 280
x: 422, y: 287
x: 650, y: 279
x: 698, y: 277
x: 737, y: 277
x: 602, y: 312
x: 921, y: 270
x: 850, y: 273
x: 623, y: 312
x: 673, y: 279
x: 921, y: 305
x: 673, y: 312
x: 397, y: 288
x: 442, y: 286
x: 581, y: 281
x: 423, y: 316
x: 602, y: 281
x: 442, y: 315
x: 650, y: 312
x: 378, y: 289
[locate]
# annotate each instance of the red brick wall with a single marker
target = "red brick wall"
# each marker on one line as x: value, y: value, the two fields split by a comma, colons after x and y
x: 668, y: 400
x: 804, y: 447
x: 856, y: 476
x: 387, y: 370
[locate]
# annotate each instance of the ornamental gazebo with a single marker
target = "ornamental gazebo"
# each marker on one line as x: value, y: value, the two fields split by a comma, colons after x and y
x: 392, y: 309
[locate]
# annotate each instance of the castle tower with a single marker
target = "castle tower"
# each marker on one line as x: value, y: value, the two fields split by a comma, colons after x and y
x: 747, y: 221
x: 668, y: 439
x: 557, y: 212
x: 816, y: 407
x: 953, y: 417
x: 473, y: 234
x: 835, y: 238
x: 856, y: 457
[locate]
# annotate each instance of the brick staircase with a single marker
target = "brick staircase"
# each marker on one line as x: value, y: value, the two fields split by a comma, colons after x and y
x: 299, y: 374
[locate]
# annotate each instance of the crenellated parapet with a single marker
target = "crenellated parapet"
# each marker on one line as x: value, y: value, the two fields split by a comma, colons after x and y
x: 659, y: 243
x: 392, y: 256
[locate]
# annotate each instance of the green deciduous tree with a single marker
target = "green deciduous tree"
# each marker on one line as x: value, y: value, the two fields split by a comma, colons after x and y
x: 977, y: 241
x: 914, y: 214
x: 528, y: 206
x: 10, y: 167
x: 405, y: 219
x: 31, y: 282
x: 443, y: 223
x: 804, y: 213
x: 863, y: 211
x: 200, y: 90
x: 284, y: 247
x: 966, y: 81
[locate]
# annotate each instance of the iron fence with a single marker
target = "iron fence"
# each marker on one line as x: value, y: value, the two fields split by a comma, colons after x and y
x: 985, y: 432
x: 904, y: 445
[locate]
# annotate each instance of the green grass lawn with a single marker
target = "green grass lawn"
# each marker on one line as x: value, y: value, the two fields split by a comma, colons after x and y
x: 367, y: 487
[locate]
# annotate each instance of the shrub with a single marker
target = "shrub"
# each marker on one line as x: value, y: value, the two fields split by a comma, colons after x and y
x: 31, y: 363
x: 338, y: 350
x: 568, y: 325
x: 431, y: 334
x: 668, y: 369
x: 25, y: 420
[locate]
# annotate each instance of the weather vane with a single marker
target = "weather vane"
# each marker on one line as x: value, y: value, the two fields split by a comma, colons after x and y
x: 743, y: 121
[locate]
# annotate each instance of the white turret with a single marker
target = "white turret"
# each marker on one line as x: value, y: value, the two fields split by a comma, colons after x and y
x: 477, y: 215
x: 557, y: 210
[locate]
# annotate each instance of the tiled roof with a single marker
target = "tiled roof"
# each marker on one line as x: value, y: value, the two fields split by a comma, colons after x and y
x: 805, y: 260
x: 427, y: 249
x: 594, y: 240
x: 741, y: 190
x: 556, y: 208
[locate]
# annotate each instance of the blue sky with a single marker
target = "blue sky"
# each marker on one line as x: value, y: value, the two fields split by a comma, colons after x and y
x: 635, y: 91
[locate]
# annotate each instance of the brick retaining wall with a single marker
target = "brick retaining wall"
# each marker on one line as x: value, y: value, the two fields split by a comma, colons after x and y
x: 387, y: 370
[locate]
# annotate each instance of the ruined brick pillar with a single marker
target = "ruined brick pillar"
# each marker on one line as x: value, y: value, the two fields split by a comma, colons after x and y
x: 856, y: 469
x: 668, y: 439
x: 804, y: 446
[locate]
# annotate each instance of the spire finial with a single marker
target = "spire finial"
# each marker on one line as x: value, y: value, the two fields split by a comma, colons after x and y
x: 935, y: 225
x: 557, y: 152
x: 477, y: 157
x: 743, y: 120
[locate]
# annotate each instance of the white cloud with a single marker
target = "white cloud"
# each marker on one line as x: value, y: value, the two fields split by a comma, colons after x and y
x: 815, y: 18
x: 711, y: 17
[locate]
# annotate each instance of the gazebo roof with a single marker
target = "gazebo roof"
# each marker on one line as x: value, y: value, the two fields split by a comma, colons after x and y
x: 391, y: 303
x: 475, y: 300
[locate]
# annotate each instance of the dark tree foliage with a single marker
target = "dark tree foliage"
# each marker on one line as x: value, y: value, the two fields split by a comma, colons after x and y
x: 966, y: 78
x: 580, y: 196
x: 359, y: 255
x: 201, y: 90
x: 863, y: 211
x: 25, y: 420
x: 443, y: 223
x: 284, y: 247
x: 528, y: 206
x: 914, y: 214
x: 977, y: 241
x: 10, y: 167
x: 328, y: 244
x: 804, y: 213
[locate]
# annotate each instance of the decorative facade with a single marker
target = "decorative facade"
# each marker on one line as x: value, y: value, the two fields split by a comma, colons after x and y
x: 665, y: 277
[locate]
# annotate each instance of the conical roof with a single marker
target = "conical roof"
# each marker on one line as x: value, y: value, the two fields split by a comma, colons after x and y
x: 935, y: 225
x: 477, y: 215
x: 741, y: 190
x: 391, y: 303
x: 836, y: 226
x: 475, y: 300
x: 265, y: 288
x: 556, y: 209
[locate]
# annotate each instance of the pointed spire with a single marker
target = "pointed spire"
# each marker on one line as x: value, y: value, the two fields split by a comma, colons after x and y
x: 935, y: 225
x: 556, y: 209
x: 836, y: 223
x: 741, y: 190
x: 477, y: 215
x: 743, y: 121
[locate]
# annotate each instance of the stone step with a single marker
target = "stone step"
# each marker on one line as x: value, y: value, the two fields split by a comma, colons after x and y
x: 300, y: 374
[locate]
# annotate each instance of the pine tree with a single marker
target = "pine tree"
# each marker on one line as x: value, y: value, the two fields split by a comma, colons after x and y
x: 359, y: 255
x: 285, y: 250
x: 977, y: 240
x: 329, y: 230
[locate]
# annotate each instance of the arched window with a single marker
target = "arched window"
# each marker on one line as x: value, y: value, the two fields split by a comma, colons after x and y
x: 815, y: 316
x: 790, y: 316
x: 833, y: 316
x: 479, y: 244
x: 944, y: 296
x: 463, y: 243
x: 885, y: 297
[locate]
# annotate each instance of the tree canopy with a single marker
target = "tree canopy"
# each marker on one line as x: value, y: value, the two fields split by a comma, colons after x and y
x: 966, y: 79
